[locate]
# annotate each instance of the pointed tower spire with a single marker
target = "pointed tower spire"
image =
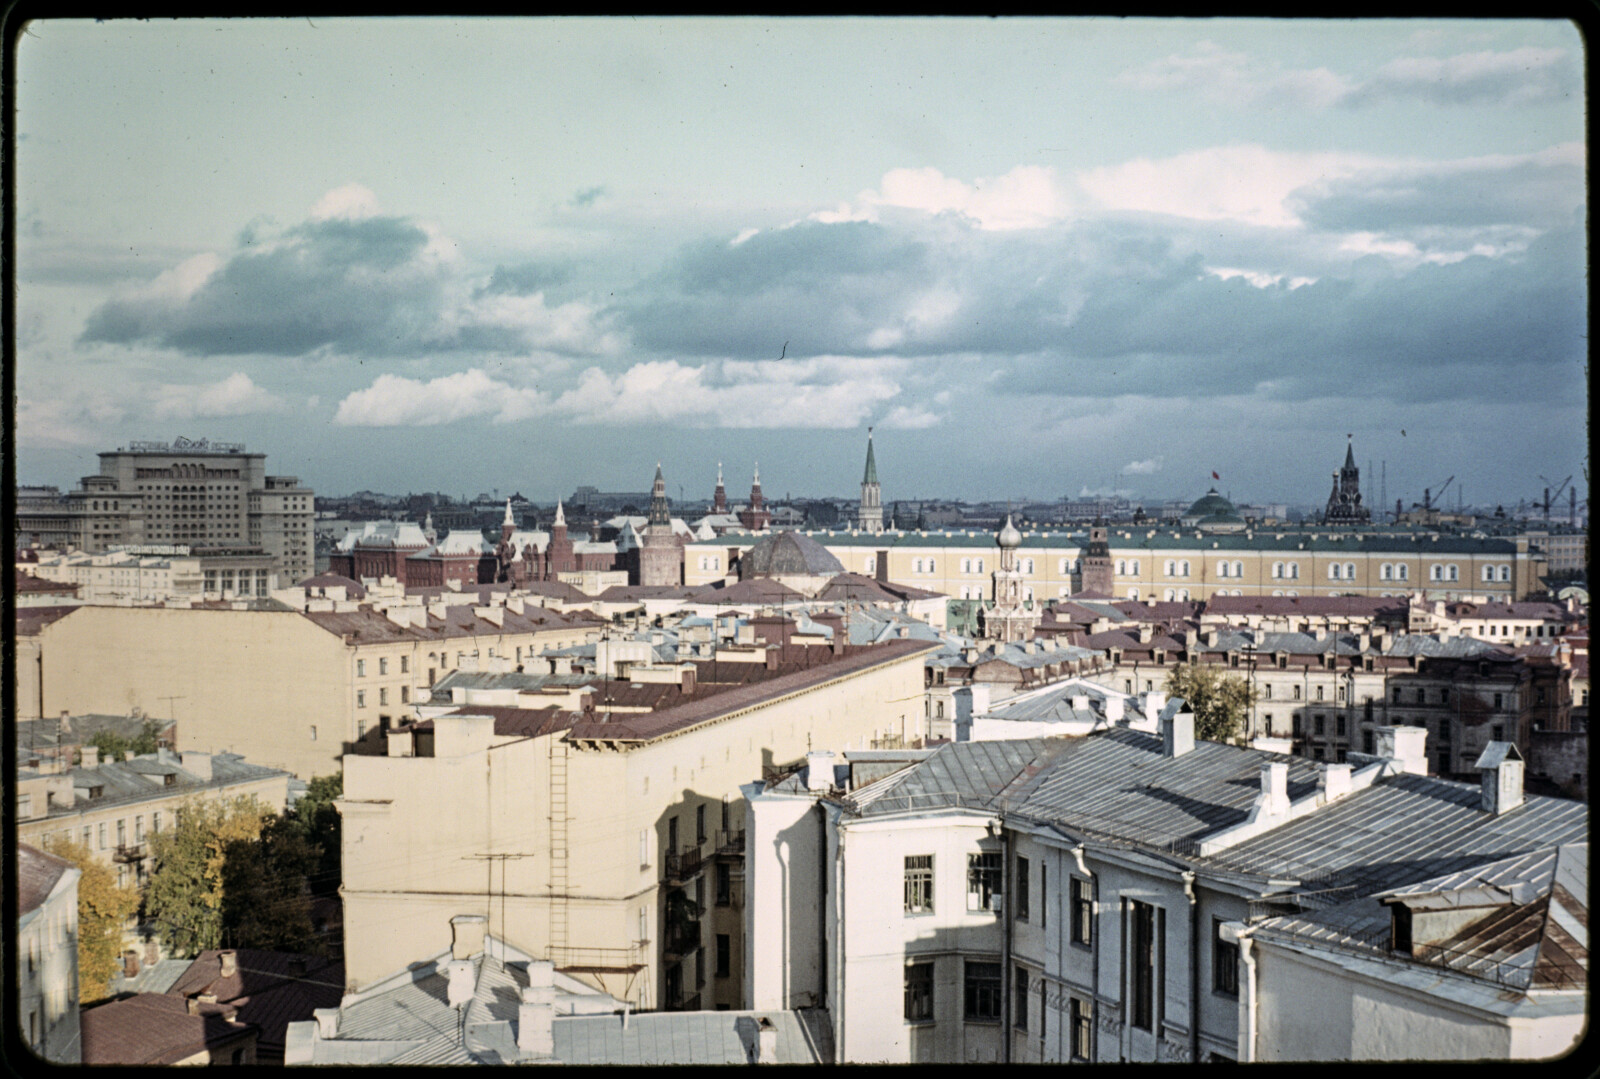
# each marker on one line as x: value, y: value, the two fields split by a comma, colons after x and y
x: 719, y: 497
x: 561, y: 517
x: 659, y: 514
x: 869, y: 517
x: 1350, y: 453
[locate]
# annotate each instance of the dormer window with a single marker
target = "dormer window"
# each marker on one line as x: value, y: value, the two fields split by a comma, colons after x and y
x: 1400, y: 928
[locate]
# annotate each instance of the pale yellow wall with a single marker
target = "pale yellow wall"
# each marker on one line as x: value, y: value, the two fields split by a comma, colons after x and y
x: 413, y: 825
x: 1047, y: 579
x: 250, y: 682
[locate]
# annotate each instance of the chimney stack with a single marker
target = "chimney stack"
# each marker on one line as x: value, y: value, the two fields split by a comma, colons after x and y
x: 466, y: 935
x: 1113, y: 708
x: 1177, y: 734
x: 229, y: 961
x: 536, y: 1012
x: 1275, y: 788
x: 1500, y: 768
x: 1406, y: 747
x: 766, y: 1042
x: 91, y: 756
x: 1335, y: 781
x: 819, y: 770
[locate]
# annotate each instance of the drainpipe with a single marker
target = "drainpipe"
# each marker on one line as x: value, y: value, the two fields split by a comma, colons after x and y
x: 1247, y: 1025
x: 1006, y: 973
x: 1194, y: 966
x: 1094, y: 944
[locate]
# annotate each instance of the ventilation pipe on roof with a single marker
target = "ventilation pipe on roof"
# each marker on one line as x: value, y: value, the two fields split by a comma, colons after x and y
x: 1177, y: 734
x: 1274, y: 788
x: 819, y: 770
x: 1403, y: 748
x: 1500, y: 768
x: 91, y: 757
x: 536, y: 1011
x: 1113, y: 708
x: 1335, y: 781
x: 229, y: 962
x: 766, y: 1042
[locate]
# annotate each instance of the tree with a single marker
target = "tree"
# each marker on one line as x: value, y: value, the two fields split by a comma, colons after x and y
x: 319, y: 822
x: 189, y: 869
x: 103, y: 910
x: 1219, y: 700
x: 113, y: 746
x: 265, y: 901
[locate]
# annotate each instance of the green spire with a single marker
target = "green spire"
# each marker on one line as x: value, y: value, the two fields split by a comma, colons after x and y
x: 872, y: 465
x: 1350, y: 455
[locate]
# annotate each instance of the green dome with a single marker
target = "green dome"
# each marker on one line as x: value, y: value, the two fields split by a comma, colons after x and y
x: 1212, y: 504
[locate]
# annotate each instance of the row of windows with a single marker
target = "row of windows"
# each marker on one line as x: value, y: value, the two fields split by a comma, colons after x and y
x: 383, y: 700
x: 405, y: 664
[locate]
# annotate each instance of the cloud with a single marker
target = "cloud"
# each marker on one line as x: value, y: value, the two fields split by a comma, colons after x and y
x: 1148, y: 467
x: 588, y: 196
x: 67, y: 420
x: 348, y: 280
x: 235, y: 395
x: 823, y: 392
x: 1515, y: 77
x: 1029, y: 196
x: 395, y: 401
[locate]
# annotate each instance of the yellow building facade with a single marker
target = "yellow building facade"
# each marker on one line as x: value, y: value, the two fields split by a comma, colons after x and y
x: 593, y: 844
x: 1174, y: 565
x: 285, y: 689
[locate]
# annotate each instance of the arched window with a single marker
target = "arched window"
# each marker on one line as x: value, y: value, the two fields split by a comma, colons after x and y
x: 1452, y: 573
x: 1238, y: 571
x: 1027, y: 565
x: 966, y: 567
x: 1292, y: 592
x: 1169, y: 567
x: 1167, y: 595
x: 1386, y: 572
x: 1505, y: 573
x: 1294, y: 572
x: 1133, y: 568
x: 1222, y: 569
x: 1122, y: 568
x: 1334, y: 570
x: 1436, y: 572
x: 930, y: 565
x: 1488, y: 573
x: 1183, y: 594
x: 1065, y: 564
x: 1133, y: 593
x: 1402, y: 572
x: 1183, y: 569
x: 978, y: 566
x: 1349, y: 571
x: 1027, y: 592
x: 1277, y: 591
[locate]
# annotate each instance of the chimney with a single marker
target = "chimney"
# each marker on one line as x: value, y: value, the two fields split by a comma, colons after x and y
x: 766, y: 1042
x: 690, y: 674
x: 327, y: 1022
x: 819, y: 770
x: 1154, y: 702
x: 971, y: 656
x: 198, y: 763
x: 1177, y: 734
x: 1406, y: 747
x: 1080, y: 702
x: 1335, y: 781
x: 770, y: 658
x: 1113, y: 708
x: 1500, y: 768
x: 463, y: 983
x: 91, y: 756
x: 560, y: 664
x: 466, y: 935
x: 230, y: 962
x: 194, y: 1005
x: 401, y: 742
x: 1364, y: 641
x: 536, y: 1012
x: 1274, y: 788
x: 1190, y: 640
x: 979, y: 695
x: 66, y: 722
x: 1146, y: 632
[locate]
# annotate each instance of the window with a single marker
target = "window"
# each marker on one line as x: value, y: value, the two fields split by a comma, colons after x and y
x: 1319, y: 693
x: 919, y: 883
x: 383, y: 695
x: 1266, y: 691
x: 313, y: 734
x: 1397, y: 696
x: 361, y: 668
x: 1451, y: 573
x: 1082, y: 912
x: 1386, y: 572
x: 1044, y: 898
x: 1499, y: 700
x: 1436, y: 572
x: 983, y: 880
x: 977, y: 566
x: 1022, y: 891
x: 155, y: 822
x: 1222, y: 569
x: 1183, y: 569
x: 1317, y: 725
x: 919, y: 992
x: 361, y: 698
x: 1019, y: 1000
x: 122, y: 833
x: 1169, y: 568
x: 1505, y: 573
x: 138, y: 829
x: 1027, y: 565
x: 1133, y: 567
x: 361, y: 728
x: 1488, y: 573
x: 1350, y: 571
x: 1081, y: 1017
x: 405, y: 694
x: 700, y: 823
x: 1277, y: 570
x: 1338, y: 726
x: 724, y: 955
x: 1224, y: 962
x: 383, y: 665
x: 405, y: 663
x: 1142, y: 924
x: 102, y: 834
x: 1497, y: 733
x: 1402, y: 572
x: 1122, y: 568
x: 1297, y: 693
x: 982, y: 991
x: 1334, y: 571
x: 644, y: 860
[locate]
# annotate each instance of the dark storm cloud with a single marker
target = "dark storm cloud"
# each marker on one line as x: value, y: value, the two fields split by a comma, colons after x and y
x: 822, y: 288
x: 1524, y: 193
x: 524, y: 279
x: 358, y: 285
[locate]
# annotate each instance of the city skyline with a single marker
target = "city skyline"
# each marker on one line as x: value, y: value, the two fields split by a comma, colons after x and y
x: 1041, y: 257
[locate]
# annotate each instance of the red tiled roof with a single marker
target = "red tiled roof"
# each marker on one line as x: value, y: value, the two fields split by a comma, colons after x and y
x: 30, y: 620
x: 702, y: 707
x: 153, y: 1028
x: 269, y: 989
x: 1348, y: 606
x: 459, y: 621
x: 27, y: 582
x: 37, y: 874
x: 511, y: 721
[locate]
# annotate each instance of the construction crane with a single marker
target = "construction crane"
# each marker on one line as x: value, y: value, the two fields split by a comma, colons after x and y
x: 1548, y: 496
x: 1427, y: 495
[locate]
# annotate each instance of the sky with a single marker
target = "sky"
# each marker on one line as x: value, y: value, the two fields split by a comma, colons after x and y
x: 1040, y: 258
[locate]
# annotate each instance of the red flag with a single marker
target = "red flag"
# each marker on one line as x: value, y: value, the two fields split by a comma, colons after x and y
x: 1215, y: 476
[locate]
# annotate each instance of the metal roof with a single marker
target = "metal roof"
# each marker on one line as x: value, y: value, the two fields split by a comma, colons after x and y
x: 705, y: 1037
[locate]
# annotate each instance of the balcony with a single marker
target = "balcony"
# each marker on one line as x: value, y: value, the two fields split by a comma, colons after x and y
x: 128, y: 852
x: 681, y: 866
x: 730, y: 843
